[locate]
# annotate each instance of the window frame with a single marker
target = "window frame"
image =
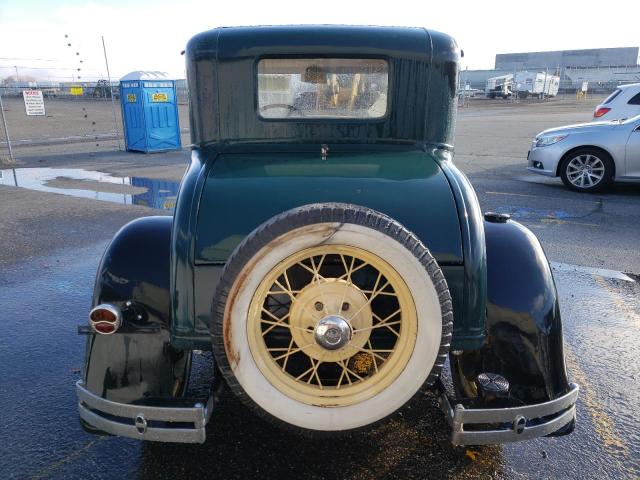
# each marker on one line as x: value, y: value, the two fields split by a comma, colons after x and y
x: 327, y: 119
x: 635, y: 100
x: 612, y: 96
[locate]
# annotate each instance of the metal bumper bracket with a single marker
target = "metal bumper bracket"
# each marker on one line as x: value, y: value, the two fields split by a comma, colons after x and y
x: 177, y: 424
x: 503, y: 425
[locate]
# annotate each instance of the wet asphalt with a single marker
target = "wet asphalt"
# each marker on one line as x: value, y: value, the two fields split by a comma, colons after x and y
x: 42, y: 356
x: 51, y: 245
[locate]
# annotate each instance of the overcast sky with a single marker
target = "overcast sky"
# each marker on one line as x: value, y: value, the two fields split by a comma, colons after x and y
x: 149, y: 35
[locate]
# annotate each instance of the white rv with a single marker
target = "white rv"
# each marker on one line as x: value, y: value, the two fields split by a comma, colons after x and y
x: 536, y: 84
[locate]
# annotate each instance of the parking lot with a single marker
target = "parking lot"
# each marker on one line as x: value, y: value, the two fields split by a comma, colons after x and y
x: 56, y: 223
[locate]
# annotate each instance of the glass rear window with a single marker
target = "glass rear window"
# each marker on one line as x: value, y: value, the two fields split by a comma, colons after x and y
x: 342, y: 88
x: 612, y: 96
x: 635, y: 100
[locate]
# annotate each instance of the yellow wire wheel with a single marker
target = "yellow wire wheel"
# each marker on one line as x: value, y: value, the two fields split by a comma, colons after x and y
x: 330, y: 317
x: 334, y: 281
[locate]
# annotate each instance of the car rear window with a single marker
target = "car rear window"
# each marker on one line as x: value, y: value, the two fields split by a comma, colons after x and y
x: 635, y: 100
x: 612, y: 96
x: 341, y: 88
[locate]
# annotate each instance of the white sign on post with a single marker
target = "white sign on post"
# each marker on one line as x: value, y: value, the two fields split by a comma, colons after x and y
x: 585, y: 86
x: 33, y: 102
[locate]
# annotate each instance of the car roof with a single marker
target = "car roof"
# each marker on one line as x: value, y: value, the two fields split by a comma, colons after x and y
x: 221, y: 71
x: 242, y: 42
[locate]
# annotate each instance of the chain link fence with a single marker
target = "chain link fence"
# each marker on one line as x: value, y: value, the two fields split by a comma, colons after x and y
x: 80, y: 90
x: 79, y: 118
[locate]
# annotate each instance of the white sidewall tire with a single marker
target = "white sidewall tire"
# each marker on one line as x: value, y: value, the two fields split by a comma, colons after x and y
x: 427, y: 346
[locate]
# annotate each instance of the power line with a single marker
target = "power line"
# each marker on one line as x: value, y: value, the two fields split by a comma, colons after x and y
x: 43, y: 68
x: 29, y: 59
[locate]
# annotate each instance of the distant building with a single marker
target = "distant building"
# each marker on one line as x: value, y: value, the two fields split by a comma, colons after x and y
x: 603, y: 68
x: 594, y: 57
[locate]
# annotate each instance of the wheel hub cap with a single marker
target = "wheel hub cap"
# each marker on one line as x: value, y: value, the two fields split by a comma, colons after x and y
x: 585, y: 171
x: 332, y: 332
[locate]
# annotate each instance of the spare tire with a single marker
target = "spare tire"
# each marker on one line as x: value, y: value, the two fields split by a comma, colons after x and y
x: 330, y: 317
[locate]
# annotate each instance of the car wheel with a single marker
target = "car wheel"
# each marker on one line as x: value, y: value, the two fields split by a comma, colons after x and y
x: 330, y: 317
x: 586, y: 170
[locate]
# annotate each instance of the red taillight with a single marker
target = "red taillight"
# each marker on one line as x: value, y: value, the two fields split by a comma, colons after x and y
x: 600, y: 112
x: 104, y: 328
x: 105, y: 319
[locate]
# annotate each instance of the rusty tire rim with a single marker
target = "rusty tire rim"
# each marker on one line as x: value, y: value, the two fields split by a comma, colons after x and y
x: 293, y: 320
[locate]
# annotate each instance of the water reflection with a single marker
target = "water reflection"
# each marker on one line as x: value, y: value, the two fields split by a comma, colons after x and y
x: 148, y: 192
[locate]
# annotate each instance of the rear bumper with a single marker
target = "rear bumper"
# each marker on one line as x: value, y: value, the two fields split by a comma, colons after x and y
x: 160, y: 424
x: 503, y: 425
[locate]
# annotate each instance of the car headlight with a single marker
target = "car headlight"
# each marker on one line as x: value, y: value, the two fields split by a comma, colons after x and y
x: 546, y: 141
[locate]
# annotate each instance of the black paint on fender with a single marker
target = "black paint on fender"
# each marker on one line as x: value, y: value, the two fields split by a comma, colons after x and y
x: 524, y: 330
x: 133, y: 365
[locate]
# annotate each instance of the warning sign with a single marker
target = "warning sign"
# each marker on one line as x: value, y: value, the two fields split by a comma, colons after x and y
x: 159, y: 97
x: 76, y: 91
x: 131, y: 97
x: 33, y: 102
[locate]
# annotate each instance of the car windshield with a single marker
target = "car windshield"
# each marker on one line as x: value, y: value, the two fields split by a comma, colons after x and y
x: 343, y: 88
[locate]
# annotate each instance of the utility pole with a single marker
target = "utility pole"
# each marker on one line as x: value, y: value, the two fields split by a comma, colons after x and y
x: 6, y: 130
x: 113, y: 104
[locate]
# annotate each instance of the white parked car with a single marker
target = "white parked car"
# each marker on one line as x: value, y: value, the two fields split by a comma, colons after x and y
x: 589, y: 156
x: 624, y: 102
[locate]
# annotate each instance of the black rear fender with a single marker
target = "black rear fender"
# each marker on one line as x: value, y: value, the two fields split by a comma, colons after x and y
x: 524, y: 331
x: 137, y: 363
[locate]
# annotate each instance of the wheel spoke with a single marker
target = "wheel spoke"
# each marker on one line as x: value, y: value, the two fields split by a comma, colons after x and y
x: 280, y: 323
x: 373, y: 295
x: 349, y: 371
x: 382, y: 322
x: 313, y: 269
x: 371, y: 351
x: 303, y: 374
x: 343, y: 375
x: 311, y: 313
x: 352, y: 270
x: 385, y: 325
x: 286, y: 359
x: 319, y: 277
x: 347, y: 269
x: 287, y: 355
x: 315, y: 364
x: 373, y: 355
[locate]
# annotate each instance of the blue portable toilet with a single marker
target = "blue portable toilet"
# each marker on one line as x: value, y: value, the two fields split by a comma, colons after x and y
x: 149, y: 112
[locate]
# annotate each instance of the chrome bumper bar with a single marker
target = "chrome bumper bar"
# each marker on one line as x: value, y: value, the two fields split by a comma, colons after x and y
x: 515, y: 424
x: 138, y: 421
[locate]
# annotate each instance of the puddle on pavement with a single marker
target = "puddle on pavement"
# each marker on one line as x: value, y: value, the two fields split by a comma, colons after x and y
x: 77, y: 182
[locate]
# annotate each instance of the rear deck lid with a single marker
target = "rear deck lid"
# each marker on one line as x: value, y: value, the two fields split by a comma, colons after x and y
x: 244, y: 190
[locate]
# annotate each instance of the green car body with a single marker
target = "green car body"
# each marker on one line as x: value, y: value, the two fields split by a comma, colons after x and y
x: 246, y: 169
x: 158, y: 277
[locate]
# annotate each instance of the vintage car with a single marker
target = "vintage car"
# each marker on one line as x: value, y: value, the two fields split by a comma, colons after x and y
x: 327, y: 250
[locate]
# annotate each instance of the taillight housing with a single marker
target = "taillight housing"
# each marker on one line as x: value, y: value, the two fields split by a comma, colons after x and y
x: 105, y: 319
x: 600, y: 112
